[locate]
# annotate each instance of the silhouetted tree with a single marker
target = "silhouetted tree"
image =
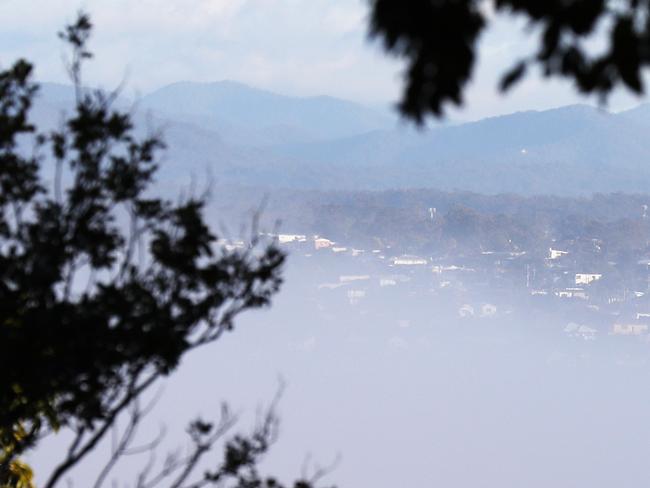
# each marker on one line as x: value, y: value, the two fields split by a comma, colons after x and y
x: 104, y: 288
x: 439, y: 40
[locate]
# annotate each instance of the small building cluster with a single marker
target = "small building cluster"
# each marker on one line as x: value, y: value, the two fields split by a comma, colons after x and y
x: 592, y: 297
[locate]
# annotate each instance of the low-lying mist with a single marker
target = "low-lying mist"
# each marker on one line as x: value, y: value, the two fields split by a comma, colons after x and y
x: 409, y: 390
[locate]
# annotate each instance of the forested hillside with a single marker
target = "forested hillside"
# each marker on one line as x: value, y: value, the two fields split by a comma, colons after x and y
x: 440, y: 222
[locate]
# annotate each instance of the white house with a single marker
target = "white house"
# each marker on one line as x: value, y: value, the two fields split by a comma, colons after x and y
x: 586, y: 278
x: 355, y: 296
x: 466, y: 311
x: 322, y: 243
x: 584, y: 331
x: 571, y: 293
x: 556, y: 253
x: 629, y: 329
x: 287, y: 238
x: 409, y: 261
x: 349, y: 278
x: 438, y: 269
x: 488, y: 310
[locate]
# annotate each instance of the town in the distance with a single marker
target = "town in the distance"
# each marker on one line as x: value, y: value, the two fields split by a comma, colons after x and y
x: 587, y: 301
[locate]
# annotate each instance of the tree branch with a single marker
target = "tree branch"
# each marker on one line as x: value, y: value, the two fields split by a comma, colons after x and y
x: 73, y: 458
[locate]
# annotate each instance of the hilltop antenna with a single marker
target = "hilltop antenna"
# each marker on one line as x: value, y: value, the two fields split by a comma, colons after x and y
x: 432, y: 212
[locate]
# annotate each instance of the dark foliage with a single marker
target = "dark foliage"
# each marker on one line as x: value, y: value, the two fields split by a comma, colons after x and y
x: 103, y: 287
x: 439, y: 39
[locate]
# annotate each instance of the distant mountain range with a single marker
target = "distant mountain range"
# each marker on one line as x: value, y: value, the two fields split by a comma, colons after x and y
x: 245, y: 136
x: 251, y: 116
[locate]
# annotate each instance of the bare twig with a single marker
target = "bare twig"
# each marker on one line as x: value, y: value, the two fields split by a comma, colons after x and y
x: 122, y: 448
x: 76, y: 455
x: 201, y: 447
x: 125, y: 440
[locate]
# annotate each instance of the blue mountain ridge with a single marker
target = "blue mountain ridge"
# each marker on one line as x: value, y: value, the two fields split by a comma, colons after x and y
x: 246, y: 136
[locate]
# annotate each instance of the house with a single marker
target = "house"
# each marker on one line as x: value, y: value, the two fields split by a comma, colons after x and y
x: 556, y: 253
x: 629, y: 329
x: 409, y: 261
x: 488, y: 310
x: 393, y: 279
x: 466, y: 311
x: 287, y: 238
x: 438, y: 269
x: 572, y: 293
x: 587, y: 278
x: 585, y: 332
x: 330, y: 286
x: 349, y: 278
x: 322, y: 243
x: 355, y: 296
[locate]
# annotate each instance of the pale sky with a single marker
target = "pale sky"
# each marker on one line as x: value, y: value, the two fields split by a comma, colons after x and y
x: 293, y: 47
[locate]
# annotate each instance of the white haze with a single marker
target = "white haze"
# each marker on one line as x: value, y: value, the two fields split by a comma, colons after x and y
x: 406, y: 392
x: 403, y: 389
x: 449, y: 402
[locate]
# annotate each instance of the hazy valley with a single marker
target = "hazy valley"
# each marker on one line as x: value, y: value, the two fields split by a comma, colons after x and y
x: 248, y: 137
x: 466, y: 296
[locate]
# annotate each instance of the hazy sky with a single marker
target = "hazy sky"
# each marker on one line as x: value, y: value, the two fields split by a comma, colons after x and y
x: 296, y: 47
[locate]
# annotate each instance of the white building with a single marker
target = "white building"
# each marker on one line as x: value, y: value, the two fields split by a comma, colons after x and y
x: 629, y: 329
x: 355, y: 296
x: 409, y: 261
x: 287, y: 238
x: 322, y: 243
x: 586, y: 278
x: 585, y: 332
x: 466, y: 311
x: 438, y: 269
x: 349, y: 278
x: 556, y: 253
x: 488, y: 310
x: 572, y: 293
x: 331, y: 286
